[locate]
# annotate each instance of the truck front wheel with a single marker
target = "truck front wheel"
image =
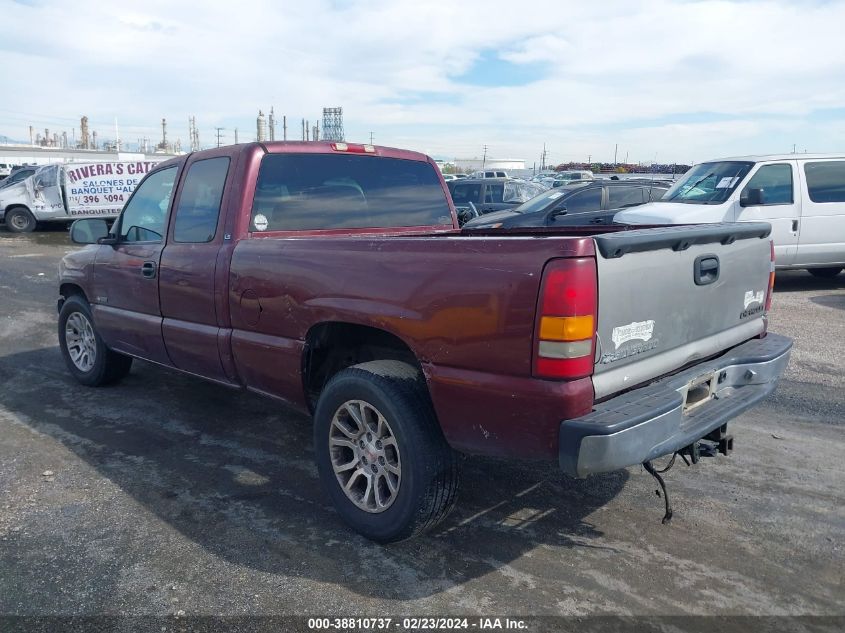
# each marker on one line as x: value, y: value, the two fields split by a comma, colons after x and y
x: 20, y: 220
x: 380, y: 453
x: 86, y: 355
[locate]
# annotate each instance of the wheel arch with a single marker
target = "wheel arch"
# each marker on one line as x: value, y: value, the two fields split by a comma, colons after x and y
x: 69, y: 289
x: 332, y: 346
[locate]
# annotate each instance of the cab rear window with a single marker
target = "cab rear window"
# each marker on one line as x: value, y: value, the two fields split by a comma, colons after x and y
x: 327, y: 191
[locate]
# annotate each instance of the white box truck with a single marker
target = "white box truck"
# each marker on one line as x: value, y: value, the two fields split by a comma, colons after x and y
x: 66, y: 192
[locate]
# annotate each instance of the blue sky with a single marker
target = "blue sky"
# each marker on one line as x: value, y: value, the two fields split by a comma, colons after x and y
x: 667, y: 81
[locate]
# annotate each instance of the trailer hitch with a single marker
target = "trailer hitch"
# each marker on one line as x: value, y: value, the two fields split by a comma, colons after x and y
x: 721, y: 443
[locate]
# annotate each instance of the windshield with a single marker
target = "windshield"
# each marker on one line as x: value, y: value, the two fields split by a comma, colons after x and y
x: 708, y: 183
x: 23, y: 174
x: 542, y: 201
x: 520, y: 191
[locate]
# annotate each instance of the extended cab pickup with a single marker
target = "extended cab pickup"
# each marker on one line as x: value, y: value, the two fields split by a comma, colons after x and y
x: 334, y: 277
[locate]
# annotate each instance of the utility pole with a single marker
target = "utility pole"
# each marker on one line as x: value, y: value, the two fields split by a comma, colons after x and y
x: 615, y: 149
x: 284, y: 128
x: 543, y: 161
x: 793, y: 148
x: 371, y: 138
x: 484, y: 158
x: 236, y: 136
x: 219, y: 129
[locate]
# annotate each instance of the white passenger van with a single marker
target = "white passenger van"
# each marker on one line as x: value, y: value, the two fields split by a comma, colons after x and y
x: 801, y: 195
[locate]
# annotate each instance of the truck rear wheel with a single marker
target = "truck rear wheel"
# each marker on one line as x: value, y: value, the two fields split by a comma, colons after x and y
x: 825, y: 273
x: 20, y: 220
x: 86, y: 355
x: 380, y: 453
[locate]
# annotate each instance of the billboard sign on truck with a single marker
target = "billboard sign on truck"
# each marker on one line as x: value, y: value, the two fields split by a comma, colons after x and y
x: 101, y: 189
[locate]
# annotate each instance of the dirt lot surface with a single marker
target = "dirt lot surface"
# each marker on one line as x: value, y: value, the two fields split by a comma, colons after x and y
x: 169, y: 495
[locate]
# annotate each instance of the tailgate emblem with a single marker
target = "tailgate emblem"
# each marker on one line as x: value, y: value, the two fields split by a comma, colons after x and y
x: 640, y: 330
x: 752, y: 297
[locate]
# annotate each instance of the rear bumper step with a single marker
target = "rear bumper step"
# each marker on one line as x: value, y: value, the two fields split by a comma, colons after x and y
x: 657, y: 419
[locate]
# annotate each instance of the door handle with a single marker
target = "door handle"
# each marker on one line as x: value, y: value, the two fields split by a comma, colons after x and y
x: 795, y: 226
x: 148, y: 270
x: 706, y: 269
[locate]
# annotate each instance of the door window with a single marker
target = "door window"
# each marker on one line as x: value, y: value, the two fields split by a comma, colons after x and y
x: 776, y: 183
x: 494, y: 194
x: 199, y: 202
x: 583, y: 201
x: 145, y: 217
x: 826, y: 181
x: 464, y: 193
x: 618, y: 197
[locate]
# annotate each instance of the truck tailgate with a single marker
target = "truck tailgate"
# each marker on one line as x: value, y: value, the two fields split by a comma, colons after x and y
x: 668, y: 297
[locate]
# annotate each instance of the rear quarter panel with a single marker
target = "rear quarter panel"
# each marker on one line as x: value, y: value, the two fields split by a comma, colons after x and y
x: 464, y: 305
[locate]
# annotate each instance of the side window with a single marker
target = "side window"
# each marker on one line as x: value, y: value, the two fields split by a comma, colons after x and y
x: 583, y: 201
x: 145, y: 216
x: 776, y: 183
x: 618, y: 197
x: 461, y: 194
x: 494, y: 193
x: 826, y: 181
x: 199, y: 202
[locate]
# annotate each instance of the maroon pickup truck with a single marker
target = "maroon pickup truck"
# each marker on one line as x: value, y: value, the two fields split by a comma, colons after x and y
x: 334, y: 277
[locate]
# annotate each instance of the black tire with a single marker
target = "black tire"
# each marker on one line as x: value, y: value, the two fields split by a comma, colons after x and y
x: 429, y: 467
x: 108, y: 367
x: 824, y: 273
x: 20, y: 220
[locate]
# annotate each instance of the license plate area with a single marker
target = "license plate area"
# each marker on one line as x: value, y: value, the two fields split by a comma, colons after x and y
x: 699, y: 391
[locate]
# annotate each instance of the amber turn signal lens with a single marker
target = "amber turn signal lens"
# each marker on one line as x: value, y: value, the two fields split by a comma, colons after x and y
x: 573, y: 328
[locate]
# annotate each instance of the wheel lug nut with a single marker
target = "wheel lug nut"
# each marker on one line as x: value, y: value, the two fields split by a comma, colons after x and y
x: 379, y: 444
x: 364, y: 460
x: 361, y: 443
x: 369, y: 437
x: 381, y: 460
x: 374, y: 468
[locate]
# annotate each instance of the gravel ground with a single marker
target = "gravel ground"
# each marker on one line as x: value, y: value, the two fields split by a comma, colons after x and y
x: 167, y: 495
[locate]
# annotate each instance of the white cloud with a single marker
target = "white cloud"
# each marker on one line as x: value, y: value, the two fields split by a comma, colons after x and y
x: 637, y: 74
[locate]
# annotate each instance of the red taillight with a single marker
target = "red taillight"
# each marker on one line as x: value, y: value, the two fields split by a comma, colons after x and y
x: 565, y: 331
x: 771, y: 289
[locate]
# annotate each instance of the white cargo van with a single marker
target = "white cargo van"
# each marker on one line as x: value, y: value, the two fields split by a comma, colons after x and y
x: 801, y: 195
x: 66, y: 192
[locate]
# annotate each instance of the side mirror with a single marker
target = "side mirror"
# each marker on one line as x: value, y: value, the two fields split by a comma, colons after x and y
x: 88, y: 231
x: 554, y: 213
x: 752, y: 197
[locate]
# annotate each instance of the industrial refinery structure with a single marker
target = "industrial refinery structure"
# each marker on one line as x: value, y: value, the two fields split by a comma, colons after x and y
x: 51, y: 147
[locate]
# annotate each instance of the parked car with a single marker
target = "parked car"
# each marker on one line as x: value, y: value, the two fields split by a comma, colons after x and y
x: 571, y: 176
x: 475, y: 196
x: 573, y: 201
x: 801, y: 195
x: 335, y: 278
x: 448, y: 177
x: 490, y: 173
